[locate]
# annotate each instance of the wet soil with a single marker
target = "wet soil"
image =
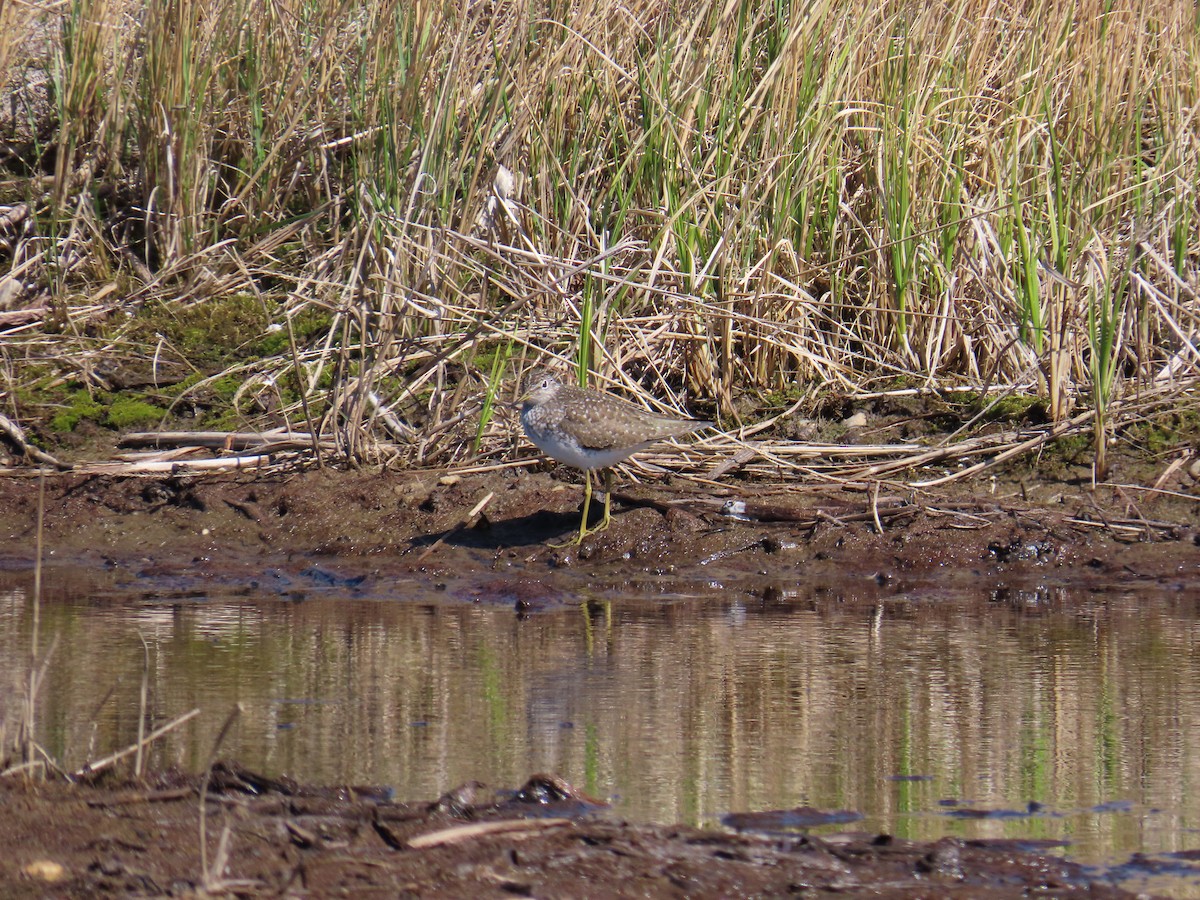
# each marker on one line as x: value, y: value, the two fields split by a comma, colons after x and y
x: 381, y: 532
x: 273, y: 838
x: 387, y: 534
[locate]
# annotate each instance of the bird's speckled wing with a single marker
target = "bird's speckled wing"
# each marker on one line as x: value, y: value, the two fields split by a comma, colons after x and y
x: 603, y: 422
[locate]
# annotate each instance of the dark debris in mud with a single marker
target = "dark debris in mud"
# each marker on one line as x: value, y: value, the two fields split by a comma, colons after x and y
x: 273, y: 837
x: 379, y: 534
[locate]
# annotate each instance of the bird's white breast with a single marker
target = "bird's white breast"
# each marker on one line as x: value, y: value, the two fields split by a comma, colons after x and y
x: 566, y: 449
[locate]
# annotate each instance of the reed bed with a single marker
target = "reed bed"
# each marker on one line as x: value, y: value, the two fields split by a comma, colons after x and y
x: 402, y: 205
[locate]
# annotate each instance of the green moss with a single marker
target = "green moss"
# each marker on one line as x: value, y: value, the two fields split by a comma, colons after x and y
x: 212, y: 332
x: 80, y: 405
x: 1076, y: 448
x: 275, y: 342
x: 182, y: 387
x: 128, y: 412
x: 120, y: 411
x: 308, y: 324
x: 1166, y: 431
x: 1018, y: 408
x: 1023, y: 408
x: 783, y: 398
x: 225, y: 388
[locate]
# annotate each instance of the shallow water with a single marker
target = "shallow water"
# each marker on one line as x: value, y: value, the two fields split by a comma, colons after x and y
x: 680, y: 701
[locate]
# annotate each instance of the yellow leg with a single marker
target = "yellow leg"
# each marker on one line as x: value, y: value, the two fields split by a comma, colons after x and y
x: 584, y: 531
x: 607, y: 500
x: 587, y: 504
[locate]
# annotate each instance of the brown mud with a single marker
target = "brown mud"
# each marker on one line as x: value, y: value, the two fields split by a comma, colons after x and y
x: 275, y: 838
x: 389, y: 535
x: 388, y: 531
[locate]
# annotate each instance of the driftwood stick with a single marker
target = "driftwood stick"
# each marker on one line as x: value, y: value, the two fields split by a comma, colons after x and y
x: 221, y: 440
x: 107, y: 761
x: 466, y: 522
x: 513, y: 828
x: 13, y: 432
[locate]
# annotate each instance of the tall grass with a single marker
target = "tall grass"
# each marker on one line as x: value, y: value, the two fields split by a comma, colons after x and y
x: 714, y: 196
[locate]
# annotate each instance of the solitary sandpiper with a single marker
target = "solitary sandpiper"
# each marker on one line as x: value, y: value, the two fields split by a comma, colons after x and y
x: 591, y: 430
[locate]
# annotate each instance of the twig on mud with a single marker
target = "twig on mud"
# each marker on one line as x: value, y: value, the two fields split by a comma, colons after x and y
x: 482, y: 468
x: 13, y: 319
x: 1153, y: 490
x: 977, y: 521
x: 23, y: 767
x: 732, y: 463
x: 1131, y: 504
x: 882, y: 509
x: 226, y: 440
x: 513, y: 829
x: 466, y: 522
x: 663, y: 506
x: 300, y: 835
x: 232, y: 463
x: 166, y: 796
x: 1132, y: 527
x: 1050, y: 434
x: 1174, y: 466
x: 143, y: 456
x: 46, y: 762
x: 94, y: 767
x: 832, y: 519
x: 207, y: 874
x: 16, y: 436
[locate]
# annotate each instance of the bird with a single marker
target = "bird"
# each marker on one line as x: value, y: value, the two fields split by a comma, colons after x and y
x: 591, y: 430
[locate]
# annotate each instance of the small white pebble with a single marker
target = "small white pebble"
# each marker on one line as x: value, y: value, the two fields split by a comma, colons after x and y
x: 46, y: 870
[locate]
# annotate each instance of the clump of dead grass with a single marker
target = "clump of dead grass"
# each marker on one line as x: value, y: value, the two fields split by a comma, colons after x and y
x: 710, y: 198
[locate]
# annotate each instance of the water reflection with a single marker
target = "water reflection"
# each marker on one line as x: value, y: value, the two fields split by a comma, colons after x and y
x: 928, y: 717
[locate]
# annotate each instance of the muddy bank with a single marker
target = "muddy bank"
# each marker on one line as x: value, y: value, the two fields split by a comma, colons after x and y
x: 384, y: 530
x: 272, y: 837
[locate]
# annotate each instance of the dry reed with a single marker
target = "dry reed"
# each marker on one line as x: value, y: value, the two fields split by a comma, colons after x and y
x: 710, y: 199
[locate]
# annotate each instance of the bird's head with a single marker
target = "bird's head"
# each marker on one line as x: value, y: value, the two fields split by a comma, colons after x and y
x: 539, y: 386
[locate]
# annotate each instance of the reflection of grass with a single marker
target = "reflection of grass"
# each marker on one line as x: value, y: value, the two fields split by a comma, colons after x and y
x: 593, y: 748
x: 31, y: 759
x: 495, y: 699
x: 1060, y: 701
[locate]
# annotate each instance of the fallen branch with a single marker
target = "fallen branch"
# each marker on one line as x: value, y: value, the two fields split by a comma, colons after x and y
x: 225, y: 440
x: 466, y: 522
x: 136, y: 797
x: 1127, y: 526
x: 880, y: 511
x: 93, y: 767
x: 16, y: 436
x: 514, y: 828
x: 14, y: 318
x: 254, y: 461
